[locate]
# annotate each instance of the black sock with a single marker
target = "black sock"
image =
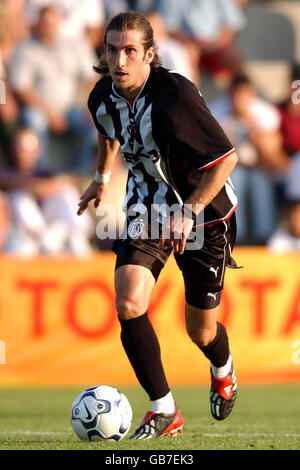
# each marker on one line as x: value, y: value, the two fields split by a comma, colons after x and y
x: 143, y: 351
x: 218, y: 350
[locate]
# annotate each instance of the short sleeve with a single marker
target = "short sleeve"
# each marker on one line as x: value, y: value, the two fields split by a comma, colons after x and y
x: 95, y: 104
x: 185, y: 120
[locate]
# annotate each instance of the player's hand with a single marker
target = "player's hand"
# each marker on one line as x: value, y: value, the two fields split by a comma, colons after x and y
x: 179, y: 228
x: 94, y: 191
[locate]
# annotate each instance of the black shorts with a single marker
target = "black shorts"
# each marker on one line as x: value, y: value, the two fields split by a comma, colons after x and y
x: 203, y: 269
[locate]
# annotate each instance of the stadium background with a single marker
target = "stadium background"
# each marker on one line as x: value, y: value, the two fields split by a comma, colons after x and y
x: 57, y: 319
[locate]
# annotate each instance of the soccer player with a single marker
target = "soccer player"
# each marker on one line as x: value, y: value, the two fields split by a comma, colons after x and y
x: 176, y: 154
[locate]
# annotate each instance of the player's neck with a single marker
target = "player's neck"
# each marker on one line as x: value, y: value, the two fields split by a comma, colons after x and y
x: 132, y: 93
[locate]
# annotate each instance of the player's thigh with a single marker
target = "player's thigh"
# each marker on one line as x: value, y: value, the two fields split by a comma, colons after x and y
x: 133, y: 285
x: 203, y: 270
x: 138, y: 265
x: 203, y: 273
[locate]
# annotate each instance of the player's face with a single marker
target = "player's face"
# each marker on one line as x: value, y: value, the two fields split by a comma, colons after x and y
x: 128, y: 62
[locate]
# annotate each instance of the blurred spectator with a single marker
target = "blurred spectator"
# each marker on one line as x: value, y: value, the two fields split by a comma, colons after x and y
x: 5, y: 221
x: 172, y: 52
x: 290, y: 113
x: 290, y: 129
x: 9, y: 115
x: 12, y: 30
x: 287, y: 237
x: 253, y: 126
x: 115, y: 7
x: 207, y: 28
x: 12, y: 25
x: 42, y: 206
x: 80, y: 18
x: 46, y: 72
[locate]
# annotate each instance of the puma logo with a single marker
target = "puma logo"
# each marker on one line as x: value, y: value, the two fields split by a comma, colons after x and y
x: 214, y: 270
x: 210, y: 294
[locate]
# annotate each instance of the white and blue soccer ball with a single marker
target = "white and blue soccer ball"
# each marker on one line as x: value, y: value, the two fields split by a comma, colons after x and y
x: 101, y: 412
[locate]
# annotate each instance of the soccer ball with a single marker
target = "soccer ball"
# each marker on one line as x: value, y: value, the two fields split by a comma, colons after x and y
x: 101, y: 412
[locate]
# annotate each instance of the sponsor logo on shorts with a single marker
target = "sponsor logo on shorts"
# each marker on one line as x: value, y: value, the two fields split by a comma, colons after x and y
x: 210, y: 294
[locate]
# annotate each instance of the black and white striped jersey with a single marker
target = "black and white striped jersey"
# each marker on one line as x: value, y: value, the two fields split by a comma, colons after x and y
x: 168, y: 138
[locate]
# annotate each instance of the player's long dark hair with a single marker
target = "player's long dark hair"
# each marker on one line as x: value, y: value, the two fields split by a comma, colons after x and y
x: 123, y: 22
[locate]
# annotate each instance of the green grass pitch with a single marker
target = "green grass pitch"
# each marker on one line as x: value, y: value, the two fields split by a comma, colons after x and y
x: 264, y: 418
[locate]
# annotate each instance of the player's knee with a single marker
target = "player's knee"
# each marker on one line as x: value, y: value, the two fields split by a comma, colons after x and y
x: 128, y: 309
x: 200, y: 336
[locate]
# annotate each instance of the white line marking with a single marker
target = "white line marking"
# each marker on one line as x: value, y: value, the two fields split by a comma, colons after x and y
x: 36, y: 433
x: 241, y: 434
x: 245, y: 425
x: 226, y: 434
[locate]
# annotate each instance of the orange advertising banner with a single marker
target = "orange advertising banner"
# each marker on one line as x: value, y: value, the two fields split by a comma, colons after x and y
x: 58, y: 323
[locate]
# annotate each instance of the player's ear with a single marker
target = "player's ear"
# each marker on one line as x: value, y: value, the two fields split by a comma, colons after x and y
x: 149, y: 55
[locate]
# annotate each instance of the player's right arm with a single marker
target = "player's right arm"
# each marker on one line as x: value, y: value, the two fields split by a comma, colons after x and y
x: 107, y: 150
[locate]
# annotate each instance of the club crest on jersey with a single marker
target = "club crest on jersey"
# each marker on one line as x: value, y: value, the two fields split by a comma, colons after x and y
x: 136, y: 228
x: 131, y: 128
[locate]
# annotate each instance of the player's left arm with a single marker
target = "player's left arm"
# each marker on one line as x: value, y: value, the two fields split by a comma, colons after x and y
x: 210, y: 184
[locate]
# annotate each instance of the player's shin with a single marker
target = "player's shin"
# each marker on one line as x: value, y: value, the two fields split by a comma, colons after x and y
x: 143, y: 351
x: 217, y: 351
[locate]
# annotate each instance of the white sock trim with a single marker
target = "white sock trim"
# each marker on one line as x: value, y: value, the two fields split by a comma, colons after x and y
x: 164, y: 405
x: 221, y: 372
